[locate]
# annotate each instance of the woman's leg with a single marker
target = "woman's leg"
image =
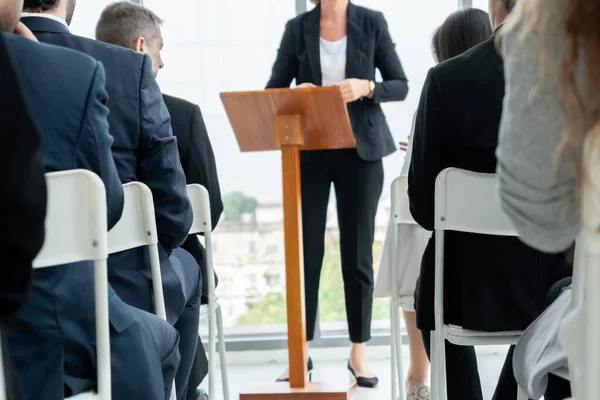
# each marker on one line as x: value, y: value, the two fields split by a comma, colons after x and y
x: 358, y: 186
x: 418, y: 371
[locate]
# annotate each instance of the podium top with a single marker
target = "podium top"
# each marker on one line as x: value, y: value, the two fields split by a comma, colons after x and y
x: 322, y: 111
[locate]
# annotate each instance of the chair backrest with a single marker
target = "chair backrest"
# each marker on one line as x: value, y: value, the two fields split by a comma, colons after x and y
x: 75, y: 220
x: 137, y: 226
x: 400, y: 203
x: 201, y: 207
x: 468, y: 201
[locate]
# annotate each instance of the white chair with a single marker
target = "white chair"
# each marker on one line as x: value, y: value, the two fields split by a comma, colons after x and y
x: 137, y: 228
x: 76, y: 231
x: 400, y: 213
x: 202, y: 225
x: 466, y: 202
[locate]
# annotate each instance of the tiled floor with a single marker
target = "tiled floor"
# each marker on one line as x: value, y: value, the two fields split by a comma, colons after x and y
x: 246, y: 369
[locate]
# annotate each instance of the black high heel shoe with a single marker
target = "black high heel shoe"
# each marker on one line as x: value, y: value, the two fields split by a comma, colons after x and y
x: 362, y: 381
x: 309, y: 367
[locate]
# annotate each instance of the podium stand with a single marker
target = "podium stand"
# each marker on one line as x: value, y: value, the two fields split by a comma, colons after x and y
x: 292, y: 120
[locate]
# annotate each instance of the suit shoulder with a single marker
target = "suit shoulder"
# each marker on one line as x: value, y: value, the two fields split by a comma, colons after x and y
x: 368, y: 12
x: 178, y: 105
x: 97, y: 48
x: 476, y: 59
x: 63, y: 64
x: 27, y: 50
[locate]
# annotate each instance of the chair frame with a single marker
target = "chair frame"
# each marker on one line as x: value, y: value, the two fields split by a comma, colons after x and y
x: 202, y: 224
x: 90, y: 227
x: 480, y: 214
x: 137, y: 228
x: 400, y: 214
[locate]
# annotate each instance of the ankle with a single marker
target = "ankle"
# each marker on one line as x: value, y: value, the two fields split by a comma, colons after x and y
x: 414, y: 380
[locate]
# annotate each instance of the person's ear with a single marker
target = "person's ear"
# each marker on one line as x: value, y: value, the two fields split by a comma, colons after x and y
x: 139, y: 45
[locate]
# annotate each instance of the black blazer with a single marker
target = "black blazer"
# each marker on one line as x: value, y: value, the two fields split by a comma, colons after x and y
x: 23, y: 202
x: 491, y: 283
x: 370, y: 47
x: 198, y: 162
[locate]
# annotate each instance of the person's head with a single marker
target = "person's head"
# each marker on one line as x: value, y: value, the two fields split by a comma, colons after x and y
x: 499, y: 10
x: 10, y: 13
x: 132, y: 26
x: 60, y: 8
x: 462, y: 30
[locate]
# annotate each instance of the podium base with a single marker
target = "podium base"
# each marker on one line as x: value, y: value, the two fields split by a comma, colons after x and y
x: 314, y: 391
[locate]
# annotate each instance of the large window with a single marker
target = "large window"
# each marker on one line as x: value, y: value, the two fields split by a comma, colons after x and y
x: 214, y: 46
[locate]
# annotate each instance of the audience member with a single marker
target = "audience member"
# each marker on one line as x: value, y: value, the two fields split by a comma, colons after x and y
x: 132, y: 26
x: 353, y: 42
x: 52, y: 338
x: 23, y: 202
x: 462, y: 30
x: 144, y: 150
x: 491, y: 283
x: 551, y: 52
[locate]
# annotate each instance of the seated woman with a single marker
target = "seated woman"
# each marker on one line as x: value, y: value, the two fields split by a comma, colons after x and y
x: 491, y: 283
x: 460, y: 31
x: 550, y: 109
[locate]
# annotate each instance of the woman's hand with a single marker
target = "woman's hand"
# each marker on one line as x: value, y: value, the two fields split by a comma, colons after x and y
x: 353, y: 89
x: 305, y: 85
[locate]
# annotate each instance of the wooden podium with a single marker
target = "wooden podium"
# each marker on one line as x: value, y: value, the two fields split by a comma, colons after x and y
x: 292, y: 120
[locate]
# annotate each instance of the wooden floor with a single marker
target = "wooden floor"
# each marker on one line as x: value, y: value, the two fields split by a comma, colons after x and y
x: 248, y: 369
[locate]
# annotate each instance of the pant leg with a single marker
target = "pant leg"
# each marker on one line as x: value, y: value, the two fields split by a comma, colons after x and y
x: 188, y: 322
x: 144, y: 358
x: 558, y: 388
x: 358, y: 186
x: 462, y: 375
x: 198, y: 372
x: 316, y: 186
x: 507, y: 384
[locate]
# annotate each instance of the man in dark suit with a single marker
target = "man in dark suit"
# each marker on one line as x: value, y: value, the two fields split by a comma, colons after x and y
x: 144, y: 150
x: 52, y: 338
x: 491, y: 283
x: 132, y: 26
x: 23, y: 203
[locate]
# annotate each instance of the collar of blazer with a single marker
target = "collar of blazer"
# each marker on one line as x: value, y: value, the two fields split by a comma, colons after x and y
x: 355, y: 56
x: 44, y: 23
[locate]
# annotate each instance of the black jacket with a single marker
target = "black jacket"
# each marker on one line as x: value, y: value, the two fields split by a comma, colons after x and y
x: 370, y: 47
x: 198, y: 162
x: 23, y: 199
x: 491, y: 283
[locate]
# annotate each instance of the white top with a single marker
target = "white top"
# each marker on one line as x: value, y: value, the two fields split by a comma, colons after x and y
x: 42, y: 15
x: 333, y: 61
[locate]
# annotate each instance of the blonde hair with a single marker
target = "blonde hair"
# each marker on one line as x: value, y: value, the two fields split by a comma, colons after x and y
x: 578, y: 19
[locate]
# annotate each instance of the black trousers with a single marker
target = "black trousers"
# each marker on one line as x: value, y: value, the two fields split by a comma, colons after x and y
x: 358, y: 185
x: 462, y: 375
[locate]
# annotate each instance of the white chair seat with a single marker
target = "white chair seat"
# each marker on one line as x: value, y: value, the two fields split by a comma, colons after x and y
x: 84, y: 396
x: 465, y: 337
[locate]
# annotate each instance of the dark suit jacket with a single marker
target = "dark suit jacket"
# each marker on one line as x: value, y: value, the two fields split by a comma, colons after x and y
x: 491, y: 283
x: 69, y: 102
x: 144, y: 150
x: 198, y: 161
x: 23, y: 204
x: 370, y: 47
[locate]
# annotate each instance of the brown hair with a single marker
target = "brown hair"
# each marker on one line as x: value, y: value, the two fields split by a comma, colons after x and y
x: 315, y: 1
x: 578, y: 19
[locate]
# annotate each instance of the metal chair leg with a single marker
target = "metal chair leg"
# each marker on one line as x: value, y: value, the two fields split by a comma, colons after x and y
x: 222, y: 356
